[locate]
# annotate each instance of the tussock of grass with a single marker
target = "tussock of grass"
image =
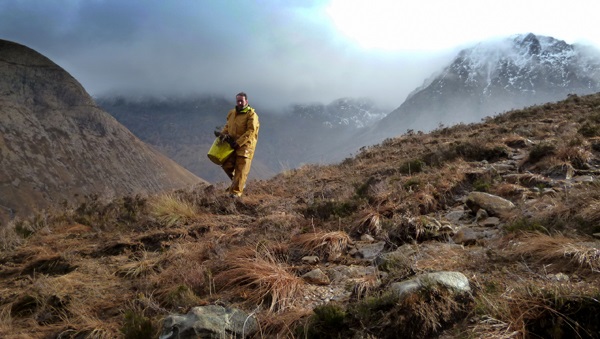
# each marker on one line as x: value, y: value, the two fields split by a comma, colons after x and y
x: 420, y: 315
x: 559, y: 248
x: 9, y: 239
x: 365, y: 286
x: 507, y: 190
x: 591, y: 212
x: 282, y: 324
x: 142, y: 266
x: 169, y: 209
x: 260, y: 279
x: 369, y: 223
x: 578, y: 156
x: 326, y: 245
x: 527, y: 308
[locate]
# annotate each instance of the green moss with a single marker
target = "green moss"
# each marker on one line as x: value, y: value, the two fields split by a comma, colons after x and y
x: 324, y: 210
x: 328, y: 321
x: 526, y: 225
x: 136, y: 326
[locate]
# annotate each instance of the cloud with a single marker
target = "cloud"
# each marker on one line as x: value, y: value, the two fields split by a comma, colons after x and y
x: 277, y: 51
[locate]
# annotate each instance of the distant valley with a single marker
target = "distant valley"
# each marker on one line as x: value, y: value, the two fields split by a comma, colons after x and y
x: 487, y: 79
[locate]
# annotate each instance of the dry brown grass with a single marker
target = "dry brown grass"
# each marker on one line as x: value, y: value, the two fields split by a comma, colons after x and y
x: 591, y: 212
x: 170, y: 209
x: 281, y: 324
x: 365, y: 286
x: 185, y: 265
x: 260, y: 279
x: 140, y: 266
x: 326, y: 245
x: 578, y: 156
x: 9, y: 239
x: 508, y: 190
x: 533, y: 308
x: 368, y: 223
x: 560, y: 249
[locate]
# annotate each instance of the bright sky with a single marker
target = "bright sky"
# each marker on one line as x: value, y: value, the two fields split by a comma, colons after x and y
x: 280, y: 51
x: 441, y: 24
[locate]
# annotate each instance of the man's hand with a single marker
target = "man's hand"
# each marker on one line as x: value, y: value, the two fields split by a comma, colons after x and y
x: 228, y: 139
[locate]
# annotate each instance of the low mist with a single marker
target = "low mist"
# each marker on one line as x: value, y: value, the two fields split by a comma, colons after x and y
x: 278, y: 53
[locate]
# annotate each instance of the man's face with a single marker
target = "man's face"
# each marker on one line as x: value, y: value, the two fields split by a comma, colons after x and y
x: 241, y: 101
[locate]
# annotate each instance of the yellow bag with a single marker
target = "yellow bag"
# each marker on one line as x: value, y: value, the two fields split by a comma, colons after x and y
x: 219, y: 151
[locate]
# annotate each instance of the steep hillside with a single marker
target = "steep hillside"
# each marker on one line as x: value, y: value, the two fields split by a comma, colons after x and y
x: 56, y: 144
x: 486, y: 230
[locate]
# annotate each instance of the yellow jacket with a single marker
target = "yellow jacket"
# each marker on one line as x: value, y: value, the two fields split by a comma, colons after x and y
x: 243, y: 127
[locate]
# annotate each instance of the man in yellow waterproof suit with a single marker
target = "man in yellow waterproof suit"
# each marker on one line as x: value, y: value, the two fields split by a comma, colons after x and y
x: 241, y: 131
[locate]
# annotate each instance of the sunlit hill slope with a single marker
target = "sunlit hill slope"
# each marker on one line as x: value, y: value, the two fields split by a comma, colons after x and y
x: 57, y: 144
x: 481, y: 230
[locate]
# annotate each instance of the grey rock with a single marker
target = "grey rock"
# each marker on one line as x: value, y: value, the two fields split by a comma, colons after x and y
x: 583, y: 178
x: 465, y: 236
x: 489, y: 222
x: 494, y: 205
x: 311, y: 259
x: 455, y: 216
x: 403, y: 256
x: 453, y: 281
x: 316, y: 277
x: 209, y: 322
x: 371, y: 250
x: 366, y: 237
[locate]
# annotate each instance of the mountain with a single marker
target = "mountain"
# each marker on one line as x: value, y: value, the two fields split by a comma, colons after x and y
x: 182, y: 129
x: 347, y: 113
x: 56, y: 143
x: 495, y: 76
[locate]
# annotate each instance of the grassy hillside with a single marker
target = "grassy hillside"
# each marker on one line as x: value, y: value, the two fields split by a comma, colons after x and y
x: 396, y: 211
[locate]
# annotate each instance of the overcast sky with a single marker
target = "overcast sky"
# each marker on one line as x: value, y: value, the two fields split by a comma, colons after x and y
x: 278, y: 51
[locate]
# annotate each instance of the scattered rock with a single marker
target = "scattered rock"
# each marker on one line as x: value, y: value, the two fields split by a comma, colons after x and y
x: 561, y: 277
x: 211, y: 321
x: 453, y: 281
x: 560, y: 172
x: 465, y: 236
x: 583, y: 178
x: 494, y: 205
x: 311, y: 259
x: 455, y: 215
x: 316, y: 277
x: 402, y: 256
x: 489, y: 222
x: 367, y: 237
x: 370, y: 251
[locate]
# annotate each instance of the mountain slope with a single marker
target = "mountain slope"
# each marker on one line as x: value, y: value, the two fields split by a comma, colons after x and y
x: 496, y: 76
x: 56, y: 143
x: 487, y: 230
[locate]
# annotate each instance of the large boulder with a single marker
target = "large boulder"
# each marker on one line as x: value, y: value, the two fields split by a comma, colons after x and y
x: 493, y: 204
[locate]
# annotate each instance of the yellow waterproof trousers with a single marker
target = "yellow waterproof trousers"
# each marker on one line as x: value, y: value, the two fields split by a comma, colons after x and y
x: 237, y: 168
